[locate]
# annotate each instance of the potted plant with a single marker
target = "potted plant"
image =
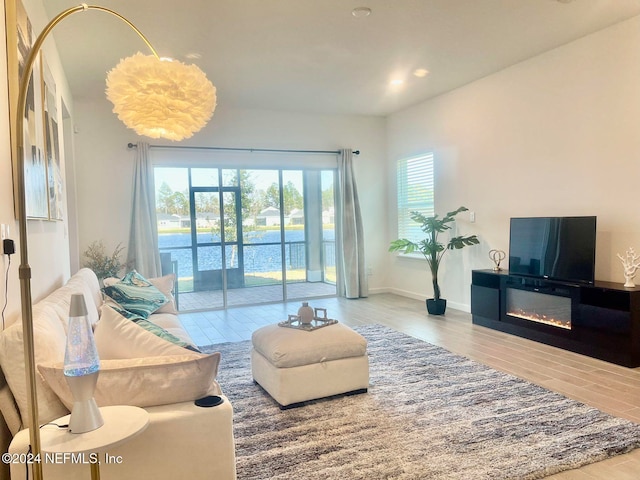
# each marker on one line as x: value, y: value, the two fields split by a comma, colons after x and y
x: 101, y: 263
x: 433, y: 250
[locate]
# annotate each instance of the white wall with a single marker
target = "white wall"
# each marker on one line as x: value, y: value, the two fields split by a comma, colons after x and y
x: 48, y: 241
x: 7, y: 216
x: 554, y: 135
x: 105, y: 165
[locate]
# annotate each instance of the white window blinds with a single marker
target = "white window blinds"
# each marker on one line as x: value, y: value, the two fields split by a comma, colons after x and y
x: 415, y: 193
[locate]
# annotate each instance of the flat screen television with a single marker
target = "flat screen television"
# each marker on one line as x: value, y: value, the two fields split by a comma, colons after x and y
x: 557, y: 248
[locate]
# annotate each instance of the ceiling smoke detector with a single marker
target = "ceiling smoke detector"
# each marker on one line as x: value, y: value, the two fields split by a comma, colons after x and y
x: 361, y: 12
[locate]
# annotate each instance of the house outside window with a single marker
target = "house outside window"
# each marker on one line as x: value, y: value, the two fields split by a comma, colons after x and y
x: 415, y: 193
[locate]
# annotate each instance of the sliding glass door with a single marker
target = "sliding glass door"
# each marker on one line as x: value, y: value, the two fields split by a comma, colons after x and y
x: 247, y: 236
x: 261, y: 238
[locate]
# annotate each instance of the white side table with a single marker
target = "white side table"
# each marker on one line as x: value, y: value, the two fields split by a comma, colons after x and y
x: 121, y: 423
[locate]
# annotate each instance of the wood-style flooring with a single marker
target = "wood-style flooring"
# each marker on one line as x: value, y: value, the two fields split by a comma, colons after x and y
x: 606, y: 386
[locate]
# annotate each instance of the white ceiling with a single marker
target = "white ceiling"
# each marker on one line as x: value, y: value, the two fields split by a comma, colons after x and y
x: 315, y: 56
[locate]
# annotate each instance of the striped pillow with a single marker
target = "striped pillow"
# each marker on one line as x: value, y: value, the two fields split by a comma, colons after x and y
x: 136, y: 294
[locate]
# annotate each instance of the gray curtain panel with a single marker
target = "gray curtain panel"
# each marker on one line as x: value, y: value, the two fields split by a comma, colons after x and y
x: 143, y: 237
x: 352, y: 283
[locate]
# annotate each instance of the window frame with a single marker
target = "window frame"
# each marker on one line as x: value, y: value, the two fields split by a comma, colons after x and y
x: 415, y: 171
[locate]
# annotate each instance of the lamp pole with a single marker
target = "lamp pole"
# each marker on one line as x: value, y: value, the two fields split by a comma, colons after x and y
x: 24, y: 271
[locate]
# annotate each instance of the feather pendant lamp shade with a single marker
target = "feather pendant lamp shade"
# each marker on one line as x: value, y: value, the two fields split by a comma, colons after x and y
x: 160, y: 98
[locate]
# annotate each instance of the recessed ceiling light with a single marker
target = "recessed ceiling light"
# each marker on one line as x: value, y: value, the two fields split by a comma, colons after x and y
x: 361, y: 12
x: 421, y: 72
x: 396, y: 82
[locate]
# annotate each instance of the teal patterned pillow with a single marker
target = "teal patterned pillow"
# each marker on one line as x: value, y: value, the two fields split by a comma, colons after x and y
x: 136, y: 295
x: 125, y: 313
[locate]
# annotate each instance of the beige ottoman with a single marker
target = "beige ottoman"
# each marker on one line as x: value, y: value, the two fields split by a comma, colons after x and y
x: 294, y: 366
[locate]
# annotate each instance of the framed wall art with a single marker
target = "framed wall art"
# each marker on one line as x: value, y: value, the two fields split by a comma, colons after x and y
x: 20, y: 38
x: 55, y: 184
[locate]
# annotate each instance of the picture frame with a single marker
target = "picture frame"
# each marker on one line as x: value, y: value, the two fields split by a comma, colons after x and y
x: 20, y: 38
x: 55, y: 180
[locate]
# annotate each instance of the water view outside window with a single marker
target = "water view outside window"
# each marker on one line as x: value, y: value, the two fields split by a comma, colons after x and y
x: 232, y: 229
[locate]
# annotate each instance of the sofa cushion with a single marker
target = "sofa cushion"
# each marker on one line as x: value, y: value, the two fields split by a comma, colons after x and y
x: 120, y: 337
x: 49, y: 345
x: 165, y: 284
x: 60, y: 299
x: 8, y: 407
x: 136, y: 294
x: 92, y: 285
x: 144, y: 382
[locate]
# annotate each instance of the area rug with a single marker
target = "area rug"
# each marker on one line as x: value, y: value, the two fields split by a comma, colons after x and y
x: 429, y: 414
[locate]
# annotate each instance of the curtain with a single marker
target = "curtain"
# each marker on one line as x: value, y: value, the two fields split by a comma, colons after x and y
x: 143, y: 237
x: 352, y: 283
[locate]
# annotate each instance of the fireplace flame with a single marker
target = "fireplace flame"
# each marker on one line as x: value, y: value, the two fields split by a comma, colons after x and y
x: 536, y: 317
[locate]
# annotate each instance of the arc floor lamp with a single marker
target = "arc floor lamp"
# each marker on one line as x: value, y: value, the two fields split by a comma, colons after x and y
x: 154, y: 97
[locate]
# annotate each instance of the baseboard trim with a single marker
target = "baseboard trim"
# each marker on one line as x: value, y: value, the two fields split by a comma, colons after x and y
x: 421, y: 296
x: 376, y: 291
x: 463, y: 307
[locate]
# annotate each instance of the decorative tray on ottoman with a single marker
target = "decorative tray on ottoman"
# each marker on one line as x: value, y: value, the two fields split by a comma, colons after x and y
x: 294, y: 321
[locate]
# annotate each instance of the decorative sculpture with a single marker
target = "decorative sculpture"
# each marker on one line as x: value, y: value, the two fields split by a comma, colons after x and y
x: 308, y: 319
x: 497, y: 256
x: 631, y: 263
x: 305, y: 313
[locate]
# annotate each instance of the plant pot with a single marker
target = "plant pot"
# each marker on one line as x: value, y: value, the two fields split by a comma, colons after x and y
x: 436, y: 307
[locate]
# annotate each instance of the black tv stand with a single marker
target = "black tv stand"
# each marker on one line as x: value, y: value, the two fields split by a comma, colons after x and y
x: 601, y: 320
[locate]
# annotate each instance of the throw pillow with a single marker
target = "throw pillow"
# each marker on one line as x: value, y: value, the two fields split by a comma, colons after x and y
x: 165, y: 334
x: 49, y: 341
x: 117, y: 336
x: 111, y: 303
x: 136, y: 294
x: 165, y: 284
x: 144, y: 382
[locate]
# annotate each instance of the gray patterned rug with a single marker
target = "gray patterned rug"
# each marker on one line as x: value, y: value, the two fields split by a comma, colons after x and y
x: 429, y: 414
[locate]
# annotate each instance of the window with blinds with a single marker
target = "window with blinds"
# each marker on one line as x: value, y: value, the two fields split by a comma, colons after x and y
x: 415, y: 193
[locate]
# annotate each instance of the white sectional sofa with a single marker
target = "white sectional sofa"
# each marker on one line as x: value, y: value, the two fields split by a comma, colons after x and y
x: 182, y: 439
